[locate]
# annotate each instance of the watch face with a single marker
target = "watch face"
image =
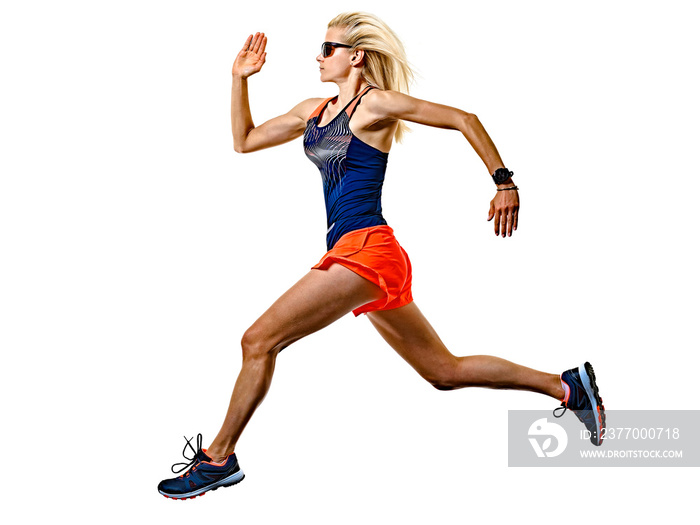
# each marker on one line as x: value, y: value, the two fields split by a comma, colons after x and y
x: 501, y: 175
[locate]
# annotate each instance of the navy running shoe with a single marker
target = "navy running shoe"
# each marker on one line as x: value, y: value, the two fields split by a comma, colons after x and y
x: 583, y: 400
x: 204, y: 474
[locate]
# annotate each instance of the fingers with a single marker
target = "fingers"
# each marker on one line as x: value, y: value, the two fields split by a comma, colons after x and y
x: 246, y: 46
x: 509, y: 224
x: 258, y: 43
x: 255, y: 44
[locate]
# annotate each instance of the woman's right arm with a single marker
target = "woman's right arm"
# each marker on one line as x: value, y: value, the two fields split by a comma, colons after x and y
x: 246, y: 136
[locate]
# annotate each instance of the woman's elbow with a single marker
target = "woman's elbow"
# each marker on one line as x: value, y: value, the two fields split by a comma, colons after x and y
x: 469, y: 117
x: 239, y: 147
x: 467, y: 120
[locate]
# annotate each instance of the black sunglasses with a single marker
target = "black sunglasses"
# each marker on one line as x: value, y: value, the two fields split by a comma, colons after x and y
x: 328, y: 47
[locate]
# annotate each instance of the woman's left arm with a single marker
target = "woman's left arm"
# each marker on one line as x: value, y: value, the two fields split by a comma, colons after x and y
x: 391, y: 105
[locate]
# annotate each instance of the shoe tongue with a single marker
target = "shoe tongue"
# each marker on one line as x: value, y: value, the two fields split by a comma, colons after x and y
x: 201, y: 456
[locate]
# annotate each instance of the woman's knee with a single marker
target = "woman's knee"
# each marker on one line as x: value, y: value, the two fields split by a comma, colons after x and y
x: 444, y: 376
x: 255, y: 344
x: 442, y: 383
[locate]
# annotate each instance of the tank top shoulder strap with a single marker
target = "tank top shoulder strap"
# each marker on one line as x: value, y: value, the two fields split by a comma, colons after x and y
x: 356, y: 101
x: 320, y: 108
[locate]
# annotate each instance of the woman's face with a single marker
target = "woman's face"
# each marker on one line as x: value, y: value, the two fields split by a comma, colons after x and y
x: 337, y: 65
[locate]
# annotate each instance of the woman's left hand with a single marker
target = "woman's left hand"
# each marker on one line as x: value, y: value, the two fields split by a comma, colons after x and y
x: 504, y: 207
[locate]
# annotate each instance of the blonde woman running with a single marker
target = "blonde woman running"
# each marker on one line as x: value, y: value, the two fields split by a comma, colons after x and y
x: 365, y: 271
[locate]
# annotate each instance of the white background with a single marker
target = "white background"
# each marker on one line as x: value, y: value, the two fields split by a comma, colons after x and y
x: 137, y: 247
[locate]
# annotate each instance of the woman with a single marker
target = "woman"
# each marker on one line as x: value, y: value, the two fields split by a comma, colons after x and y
x: 348, y: 137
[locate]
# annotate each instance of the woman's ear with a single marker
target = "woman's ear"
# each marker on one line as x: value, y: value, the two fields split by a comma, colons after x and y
x: 358, y: 57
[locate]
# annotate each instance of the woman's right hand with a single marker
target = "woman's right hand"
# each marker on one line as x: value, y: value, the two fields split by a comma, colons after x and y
x: 252, y: 57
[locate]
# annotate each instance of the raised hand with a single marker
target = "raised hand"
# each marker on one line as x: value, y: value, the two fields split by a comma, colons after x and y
x: 252, y: 57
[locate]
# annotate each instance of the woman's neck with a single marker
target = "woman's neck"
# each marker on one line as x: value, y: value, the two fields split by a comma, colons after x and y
x: 349, y: 89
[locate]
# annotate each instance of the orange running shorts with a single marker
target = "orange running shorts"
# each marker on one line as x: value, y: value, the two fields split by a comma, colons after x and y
x: 375, y: 254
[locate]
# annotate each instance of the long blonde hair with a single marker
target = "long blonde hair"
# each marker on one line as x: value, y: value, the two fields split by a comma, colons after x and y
x: 385, y: 65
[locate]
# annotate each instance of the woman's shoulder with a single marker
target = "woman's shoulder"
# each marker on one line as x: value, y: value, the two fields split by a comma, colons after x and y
x: 379, y: 96
x: 307, y: 107
x: 380, y: 101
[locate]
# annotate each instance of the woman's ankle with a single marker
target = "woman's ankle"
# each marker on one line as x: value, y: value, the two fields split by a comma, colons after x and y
x: 218, y: 454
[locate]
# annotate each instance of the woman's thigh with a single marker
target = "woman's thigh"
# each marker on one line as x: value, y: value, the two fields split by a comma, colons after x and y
x: 315, y: 301
x: 409, y: 333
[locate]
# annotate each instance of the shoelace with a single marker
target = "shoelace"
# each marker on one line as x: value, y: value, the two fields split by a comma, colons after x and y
x: 190, y: 459
x: 562, y: 408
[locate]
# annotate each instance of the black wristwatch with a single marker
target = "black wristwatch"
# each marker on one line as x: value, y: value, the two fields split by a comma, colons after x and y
x: 501, y: 175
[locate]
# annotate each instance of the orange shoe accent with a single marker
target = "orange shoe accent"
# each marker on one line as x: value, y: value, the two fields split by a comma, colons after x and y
x: 567, y: 389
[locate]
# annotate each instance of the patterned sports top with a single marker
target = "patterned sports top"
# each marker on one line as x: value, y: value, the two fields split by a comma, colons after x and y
x: 352, y: 171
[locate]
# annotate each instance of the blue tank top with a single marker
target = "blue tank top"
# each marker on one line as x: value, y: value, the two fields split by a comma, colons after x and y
x: 352, y: 171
